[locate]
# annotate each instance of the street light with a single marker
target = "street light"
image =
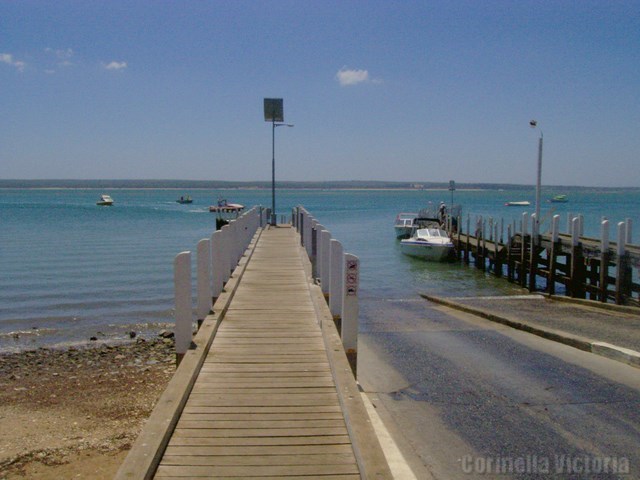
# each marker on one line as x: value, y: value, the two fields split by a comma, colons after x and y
x: 274, y: 113
x: 273, y: 167
x: 534, y: 124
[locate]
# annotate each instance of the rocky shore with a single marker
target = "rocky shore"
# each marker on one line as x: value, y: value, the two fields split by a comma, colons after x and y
x: 74, y: 413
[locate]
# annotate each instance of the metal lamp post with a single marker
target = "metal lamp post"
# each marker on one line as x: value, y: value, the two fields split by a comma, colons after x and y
x: 273, y: 168
x: 534, y: 124
x: 273, y: 112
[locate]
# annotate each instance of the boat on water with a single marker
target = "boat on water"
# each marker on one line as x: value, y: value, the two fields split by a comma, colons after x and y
x: 185, y: 199
x: 404, y: 224
x: 225, y: 207
x: 225, y: 212
x: 428, y: 240
x: 105, y: 201
x: 559, y: 199
x: 429, y: 243
x: 524, y: 203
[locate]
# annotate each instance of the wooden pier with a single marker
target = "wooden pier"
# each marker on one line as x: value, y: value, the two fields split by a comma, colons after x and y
x: 586, y: 267
x: 265, y: 390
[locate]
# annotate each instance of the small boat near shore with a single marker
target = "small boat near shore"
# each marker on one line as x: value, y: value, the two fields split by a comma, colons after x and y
x: 404, y: 224
x: 524, y: 203
x: 185, y: 199
x: 105, y: 201
x: 429, y: 243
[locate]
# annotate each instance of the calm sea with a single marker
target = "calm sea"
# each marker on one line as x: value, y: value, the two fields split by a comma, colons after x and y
x: 70, y: 270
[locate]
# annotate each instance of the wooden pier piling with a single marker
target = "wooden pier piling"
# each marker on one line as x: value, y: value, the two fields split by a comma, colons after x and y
x: 550, y: 262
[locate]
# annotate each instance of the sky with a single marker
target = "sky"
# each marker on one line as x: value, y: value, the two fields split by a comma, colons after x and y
x: 419, y: 91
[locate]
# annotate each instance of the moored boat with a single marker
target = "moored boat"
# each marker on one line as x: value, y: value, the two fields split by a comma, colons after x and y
x: 524, y: 203
x: 105, y: 201
x: 185, y: 199
x: 404, y: 224
x: 429, y: 243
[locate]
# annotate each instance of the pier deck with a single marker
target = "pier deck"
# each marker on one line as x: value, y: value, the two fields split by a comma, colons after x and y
x: 268, y: 399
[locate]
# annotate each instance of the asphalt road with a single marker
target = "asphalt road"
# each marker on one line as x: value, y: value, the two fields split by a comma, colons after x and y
x: 468, y: 398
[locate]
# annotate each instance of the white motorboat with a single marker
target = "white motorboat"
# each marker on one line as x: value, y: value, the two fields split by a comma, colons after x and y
x: 105, y: 201
x: 225, y: 212
x: 226, y: 207
x: 429, y: 243
x: 518, y: 204
x: 404, y: 224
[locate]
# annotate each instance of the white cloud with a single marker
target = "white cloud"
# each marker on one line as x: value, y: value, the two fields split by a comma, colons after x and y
x: 348, y: 77
x: 9, y: 60
x: 116, y: 65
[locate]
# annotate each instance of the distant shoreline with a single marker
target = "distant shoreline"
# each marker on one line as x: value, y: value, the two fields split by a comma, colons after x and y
x: 62, y: 184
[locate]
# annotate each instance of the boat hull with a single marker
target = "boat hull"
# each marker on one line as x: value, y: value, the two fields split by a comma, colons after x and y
x: 432, y: 252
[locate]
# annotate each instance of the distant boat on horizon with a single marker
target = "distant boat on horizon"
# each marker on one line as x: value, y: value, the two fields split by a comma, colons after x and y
x: 105, y: 201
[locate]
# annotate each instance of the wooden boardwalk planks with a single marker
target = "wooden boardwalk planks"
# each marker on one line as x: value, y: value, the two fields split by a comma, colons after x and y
x: 265, y: 403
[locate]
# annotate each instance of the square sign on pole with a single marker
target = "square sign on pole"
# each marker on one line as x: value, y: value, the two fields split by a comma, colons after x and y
x: 273, y: 110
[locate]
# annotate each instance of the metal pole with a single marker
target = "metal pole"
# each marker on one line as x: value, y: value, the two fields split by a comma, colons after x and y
x: 538, y: 183
x: 273, y: 173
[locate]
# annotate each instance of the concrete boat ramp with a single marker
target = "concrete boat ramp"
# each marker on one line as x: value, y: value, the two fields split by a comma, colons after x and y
x: 609, y: 330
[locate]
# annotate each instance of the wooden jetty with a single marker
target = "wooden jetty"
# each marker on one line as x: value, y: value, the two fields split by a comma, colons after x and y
x: 596, y: 269
x: 265, y: 389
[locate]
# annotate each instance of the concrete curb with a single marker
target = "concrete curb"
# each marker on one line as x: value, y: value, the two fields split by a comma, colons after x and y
x: 592, y: 303
x: 613, y: 352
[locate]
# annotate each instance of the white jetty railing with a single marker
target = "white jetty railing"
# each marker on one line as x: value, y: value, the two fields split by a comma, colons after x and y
x: 337, y: 274
x: 217, y: 257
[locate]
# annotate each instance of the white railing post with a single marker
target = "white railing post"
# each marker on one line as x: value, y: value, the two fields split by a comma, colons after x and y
x: 534, y: 226
x: 217, y: 264
x: 226, y: 253
x: 235, y: 243
x: 622, y: 237
x: 621, y: 263
x: 555, y: 229
x: 183, y: 314
x: 336, y: 271
x: 317, y: 228
x: 350, y: 308
x: 325, y: 240
x: 302, y: 221
x: 203, y: 279
x: 604, y: 236
x: 575, y: 231
x: 308, y: 221
x: 581, y: 225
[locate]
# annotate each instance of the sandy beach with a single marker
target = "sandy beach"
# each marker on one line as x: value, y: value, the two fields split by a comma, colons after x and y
x: 75, y: 413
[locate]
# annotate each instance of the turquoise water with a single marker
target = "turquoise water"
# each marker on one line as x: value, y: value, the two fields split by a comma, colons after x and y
x: 71, y: 270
